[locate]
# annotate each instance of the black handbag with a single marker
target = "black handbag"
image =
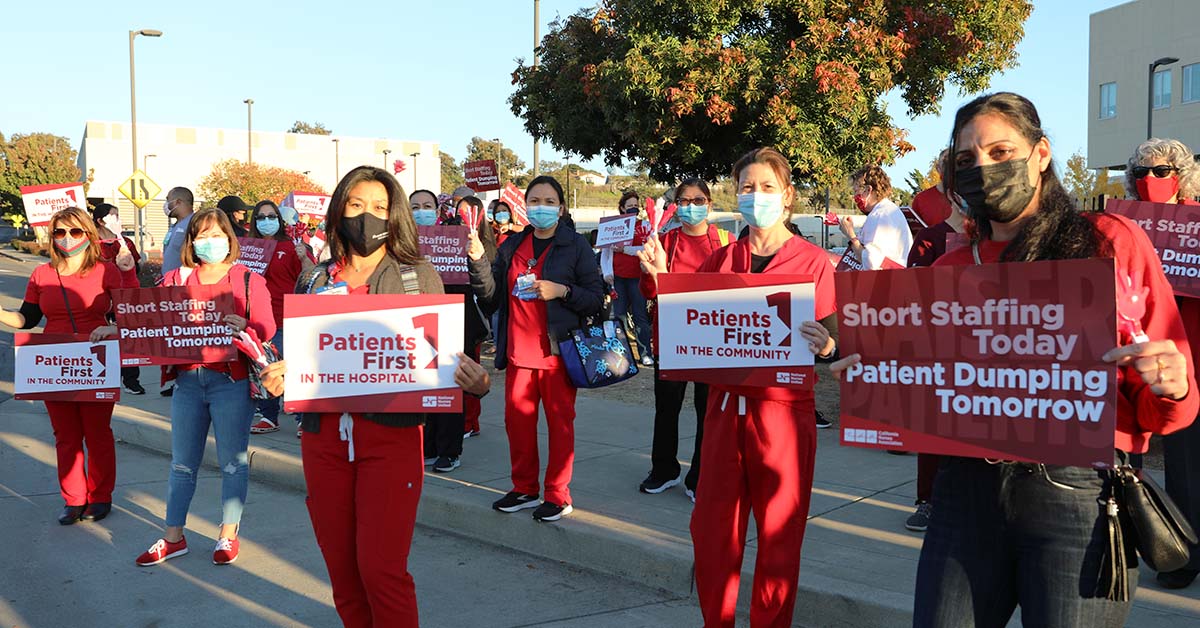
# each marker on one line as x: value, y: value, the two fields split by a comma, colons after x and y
x: 1160, y: 531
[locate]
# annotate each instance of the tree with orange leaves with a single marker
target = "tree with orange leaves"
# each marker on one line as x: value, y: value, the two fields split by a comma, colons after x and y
x: 253, y: 182
x: 685, y: 88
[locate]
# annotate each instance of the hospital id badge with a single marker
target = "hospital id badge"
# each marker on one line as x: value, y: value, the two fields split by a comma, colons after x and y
x: 524, y: 289
x: 339, y: 287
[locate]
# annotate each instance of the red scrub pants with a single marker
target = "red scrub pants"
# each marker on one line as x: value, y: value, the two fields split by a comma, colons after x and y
x: 75, y: 424
x: 523, y: 390
x: 363, y: 513
x: 758, y: 456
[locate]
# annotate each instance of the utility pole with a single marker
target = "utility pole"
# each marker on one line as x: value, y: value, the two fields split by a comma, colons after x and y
x: 536, y: 44
x: 249, y: 132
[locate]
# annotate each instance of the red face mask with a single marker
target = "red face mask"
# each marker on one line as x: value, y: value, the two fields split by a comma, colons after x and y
x: 861, y: 203
x: 1156, y: 190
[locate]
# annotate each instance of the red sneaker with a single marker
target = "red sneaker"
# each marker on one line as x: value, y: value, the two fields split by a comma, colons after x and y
x: 264, y: 426
x: 226, y: 551
x: 161, y: 551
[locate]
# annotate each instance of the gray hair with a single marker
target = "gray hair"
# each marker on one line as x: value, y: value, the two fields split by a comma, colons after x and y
x: 1176, y: 154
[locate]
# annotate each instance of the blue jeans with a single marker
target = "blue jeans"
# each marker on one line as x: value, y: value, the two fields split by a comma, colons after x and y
x: 1010, y: 535
x: 631, y: 301
x: 202, y: 397
x: 269, y: 408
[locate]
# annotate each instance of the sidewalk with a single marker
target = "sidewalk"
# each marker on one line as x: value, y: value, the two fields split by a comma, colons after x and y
x: 859, y: 562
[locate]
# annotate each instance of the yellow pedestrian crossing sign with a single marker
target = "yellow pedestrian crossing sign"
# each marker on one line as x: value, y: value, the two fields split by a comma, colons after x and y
x: 139, y: 189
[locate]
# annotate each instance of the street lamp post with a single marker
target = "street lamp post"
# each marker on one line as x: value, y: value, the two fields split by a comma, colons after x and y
x: 1150, y: 92
x: 249, y: 138
x: 133, y: 118
x: 414, y: 158
x: 337, y: 166
x: 386, y: 152
x: 144, y: 158
x: 536, y: 7
x: 499, y: 157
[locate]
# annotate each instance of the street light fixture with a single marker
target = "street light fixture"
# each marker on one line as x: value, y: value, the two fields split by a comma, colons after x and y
x: 249, y: 139
x: 144, y: 158
x: 145, y: 32
x: 1150, y: 92
x: 386, y: 152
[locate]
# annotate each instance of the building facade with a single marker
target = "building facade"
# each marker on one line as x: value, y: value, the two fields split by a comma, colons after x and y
x: 182, y: 156
x: 1124, y: 41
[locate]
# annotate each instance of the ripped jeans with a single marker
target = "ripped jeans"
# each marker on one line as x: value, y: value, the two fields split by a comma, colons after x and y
x: 202, y: 397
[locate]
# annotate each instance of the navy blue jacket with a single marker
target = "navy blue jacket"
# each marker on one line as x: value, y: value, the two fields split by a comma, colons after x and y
x: 569, y: 261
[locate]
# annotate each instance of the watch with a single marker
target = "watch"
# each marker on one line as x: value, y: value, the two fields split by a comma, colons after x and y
x: 567, y: 294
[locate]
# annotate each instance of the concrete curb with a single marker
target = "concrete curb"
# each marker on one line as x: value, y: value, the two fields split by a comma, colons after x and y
x: 590, y: 540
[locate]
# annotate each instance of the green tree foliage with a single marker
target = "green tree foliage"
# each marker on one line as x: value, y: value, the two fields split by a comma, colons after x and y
x: 509, y: 164
x: 315, y: 128
x: 688, y: 87
x: 1079, y: 181
x: 252, y: 182
x: 452, y: 173
x: 33, y: 159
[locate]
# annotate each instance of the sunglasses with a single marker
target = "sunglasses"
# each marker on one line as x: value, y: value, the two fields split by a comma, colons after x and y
x: 62, y: 233
x: 1162, y: 172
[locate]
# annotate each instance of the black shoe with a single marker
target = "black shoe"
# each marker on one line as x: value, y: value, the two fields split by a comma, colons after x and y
x: 1178, y: 579
x: 549, y: 511
x: 822, y: 422
x: 446, y: 464
x: 134, y: 388
x: 70, y: 515
x: 96, y: 512
x: 655, y: 486
x: 168, y: 392
x: 515, y: 501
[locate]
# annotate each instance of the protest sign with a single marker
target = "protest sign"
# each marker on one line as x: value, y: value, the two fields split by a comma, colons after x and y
x: 513, y: 197
x: 310, y: 206
x: 65, y: 367
x: 482, y: 175
x: 174, y: 325
x: 1174, y: 230
x: 616, y: 231
x: 372, y: 352
x: 988, y: 361
x: 256, y: 253
x: 850, y: 261
x: 41, y: 201
x: 446, y: 248
x: 735, y: 329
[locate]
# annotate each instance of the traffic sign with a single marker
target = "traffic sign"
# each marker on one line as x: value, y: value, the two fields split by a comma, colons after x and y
x: 139, y: 189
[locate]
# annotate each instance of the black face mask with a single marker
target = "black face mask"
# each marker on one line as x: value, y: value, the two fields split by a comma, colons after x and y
x: 365, y: 233
x: 996, y: 192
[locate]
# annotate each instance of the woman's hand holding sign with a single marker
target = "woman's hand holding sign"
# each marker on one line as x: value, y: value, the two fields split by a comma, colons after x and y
x: 236, y: 323
x: 100, y: 333
x: 819, y: 341
x: 1158, y: 362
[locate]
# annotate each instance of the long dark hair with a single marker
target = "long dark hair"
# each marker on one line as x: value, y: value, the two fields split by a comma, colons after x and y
x: 402, y: 229
x: 1057, y: 230
x: 693, y: 182
x: 562, y: 198
x: 280, y: 235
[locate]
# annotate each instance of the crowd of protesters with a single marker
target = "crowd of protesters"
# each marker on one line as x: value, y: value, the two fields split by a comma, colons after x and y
x: 992, y: 527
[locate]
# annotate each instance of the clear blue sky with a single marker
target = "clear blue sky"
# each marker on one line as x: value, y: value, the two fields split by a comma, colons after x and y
x: 414, y: 70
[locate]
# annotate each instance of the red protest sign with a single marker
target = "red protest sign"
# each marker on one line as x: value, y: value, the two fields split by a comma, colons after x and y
x: 482, y: 175
x: 987, y: 361
x: 372, y: 352
x: 471, y: 216
x: 65, y: 367
x: 41, y: 201
x: 850, y: 261
x: 1174, y: 230
x: 446, y: 248
x: 736, y: 329
x: 256, y: 253
x: 512, y: 197
x: 174, y: 325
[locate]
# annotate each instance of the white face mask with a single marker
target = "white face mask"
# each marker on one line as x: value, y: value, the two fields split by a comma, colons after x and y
x: 167, y: 208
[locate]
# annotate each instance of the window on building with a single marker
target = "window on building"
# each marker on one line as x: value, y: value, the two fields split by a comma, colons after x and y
x: 1108, y: 101
x: 1162, y: 89
x: 1191, y: 83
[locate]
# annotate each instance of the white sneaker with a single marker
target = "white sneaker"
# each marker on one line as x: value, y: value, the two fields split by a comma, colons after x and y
x: 690, y: 493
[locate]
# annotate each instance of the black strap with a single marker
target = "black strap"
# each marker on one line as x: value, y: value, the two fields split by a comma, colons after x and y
x: 246, y: 275
x: 66, y: 301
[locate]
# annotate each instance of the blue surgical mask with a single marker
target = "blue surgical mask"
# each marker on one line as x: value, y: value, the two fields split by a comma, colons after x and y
x: 267, y: 226
x: 425, y: 217
x: 543, y: 216
x: 212, y: 250
x: 490, y: 215
x: 760, y: 209
x: 503, y: 217
x: 692, y: 214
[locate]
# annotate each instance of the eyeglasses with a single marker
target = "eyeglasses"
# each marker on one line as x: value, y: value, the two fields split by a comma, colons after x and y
x: 699, y: 200
x: 1162, y: 172
x: 75, y: 232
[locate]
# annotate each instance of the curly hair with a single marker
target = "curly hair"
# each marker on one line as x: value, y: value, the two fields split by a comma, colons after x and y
x: 874, y: 177
x: 1176, y: 154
